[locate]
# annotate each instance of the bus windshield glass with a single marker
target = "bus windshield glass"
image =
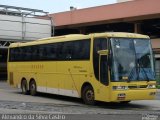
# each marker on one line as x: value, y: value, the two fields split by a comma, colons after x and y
x: 132, y: 60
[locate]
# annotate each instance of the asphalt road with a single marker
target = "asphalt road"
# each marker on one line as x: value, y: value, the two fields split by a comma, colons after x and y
x: 12, y: 101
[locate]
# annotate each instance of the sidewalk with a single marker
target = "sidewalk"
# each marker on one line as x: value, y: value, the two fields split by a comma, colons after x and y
x: 158, y: 90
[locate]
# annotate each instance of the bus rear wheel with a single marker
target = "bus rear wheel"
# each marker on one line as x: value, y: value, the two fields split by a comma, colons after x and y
x: 24, y: 87
x: 88, y: 95
x: 33, y: 88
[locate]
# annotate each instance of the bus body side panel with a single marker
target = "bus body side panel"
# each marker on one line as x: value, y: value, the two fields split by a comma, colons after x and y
x: 13, y: 74
x: 71, y: 75
x: 46, y: 77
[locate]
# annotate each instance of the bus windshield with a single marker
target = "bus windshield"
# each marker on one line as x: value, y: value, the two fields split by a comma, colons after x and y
x: 132, y: 60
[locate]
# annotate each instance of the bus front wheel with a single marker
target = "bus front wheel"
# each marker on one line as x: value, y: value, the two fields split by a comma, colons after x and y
x: 33, y: 88
x: 88, y: 95
x: 24, y: 87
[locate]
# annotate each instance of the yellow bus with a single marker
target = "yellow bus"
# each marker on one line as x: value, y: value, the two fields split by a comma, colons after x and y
x: 110, y: 67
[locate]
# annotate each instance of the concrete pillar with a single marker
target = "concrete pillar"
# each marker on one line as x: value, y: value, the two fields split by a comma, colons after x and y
x: 137, y: 28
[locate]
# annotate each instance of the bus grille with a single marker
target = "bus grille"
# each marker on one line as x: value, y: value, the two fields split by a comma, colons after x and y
x: 138, y: 86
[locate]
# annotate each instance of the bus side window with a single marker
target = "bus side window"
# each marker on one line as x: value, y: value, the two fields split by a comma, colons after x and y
x: 85, y: 49
x: 34, y: 53
x: 76, y: 50
x: 53, y: 52
x: 49, y: 52
x: 68, y: 50
x: 59, y: 51
x: 12, y: 55
x: 28, y: 53
x: 40, y: 52
x: 81, y: 50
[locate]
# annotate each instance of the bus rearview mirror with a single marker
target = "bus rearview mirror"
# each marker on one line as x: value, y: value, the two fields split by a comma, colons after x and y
x: 103, y: 52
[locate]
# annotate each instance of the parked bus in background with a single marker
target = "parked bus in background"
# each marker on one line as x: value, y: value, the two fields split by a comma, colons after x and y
x: 110, y: 67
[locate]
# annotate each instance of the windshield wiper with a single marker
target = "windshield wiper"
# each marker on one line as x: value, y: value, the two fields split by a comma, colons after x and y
x: 132, y: 74
x: 141, y: 67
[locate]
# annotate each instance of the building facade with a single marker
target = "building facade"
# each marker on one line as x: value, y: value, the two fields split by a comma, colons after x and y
x: 138, y: 16
x: 123, y: 0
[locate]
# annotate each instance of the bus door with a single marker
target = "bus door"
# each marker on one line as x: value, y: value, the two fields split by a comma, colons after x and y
x: 103, y: 75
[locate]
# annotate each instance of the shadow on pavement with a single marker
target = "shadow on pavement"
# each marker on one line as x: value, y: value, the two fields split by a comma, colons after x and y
x: 104, y: 105
x: 79, y: 102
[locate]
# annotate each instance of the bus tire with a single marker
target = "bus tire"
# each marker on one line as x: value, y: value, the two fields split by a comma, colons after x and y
x: 33, y: 88
x: 88, y: 95
x: 24, y: 87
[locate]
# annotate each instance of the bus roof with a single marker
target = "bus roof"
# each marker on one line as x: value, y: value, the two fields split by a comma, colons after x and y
x: 120, y: 34
x: 72, y: 37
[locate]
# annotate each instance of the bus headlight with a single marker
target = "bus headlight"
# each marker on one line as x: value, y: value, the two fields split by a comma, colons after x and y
x: 151, y: 86
x: 120, y: 87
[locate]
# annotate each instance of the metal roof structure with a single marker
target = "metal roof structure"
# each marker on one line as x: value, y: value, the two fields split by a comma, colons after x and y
x: 18, y: 23
x: 12, y: 10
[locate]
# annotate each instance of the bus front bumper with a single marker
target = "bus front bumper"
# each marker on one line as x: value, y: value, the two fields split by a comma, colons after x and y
x: 129, y: 95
